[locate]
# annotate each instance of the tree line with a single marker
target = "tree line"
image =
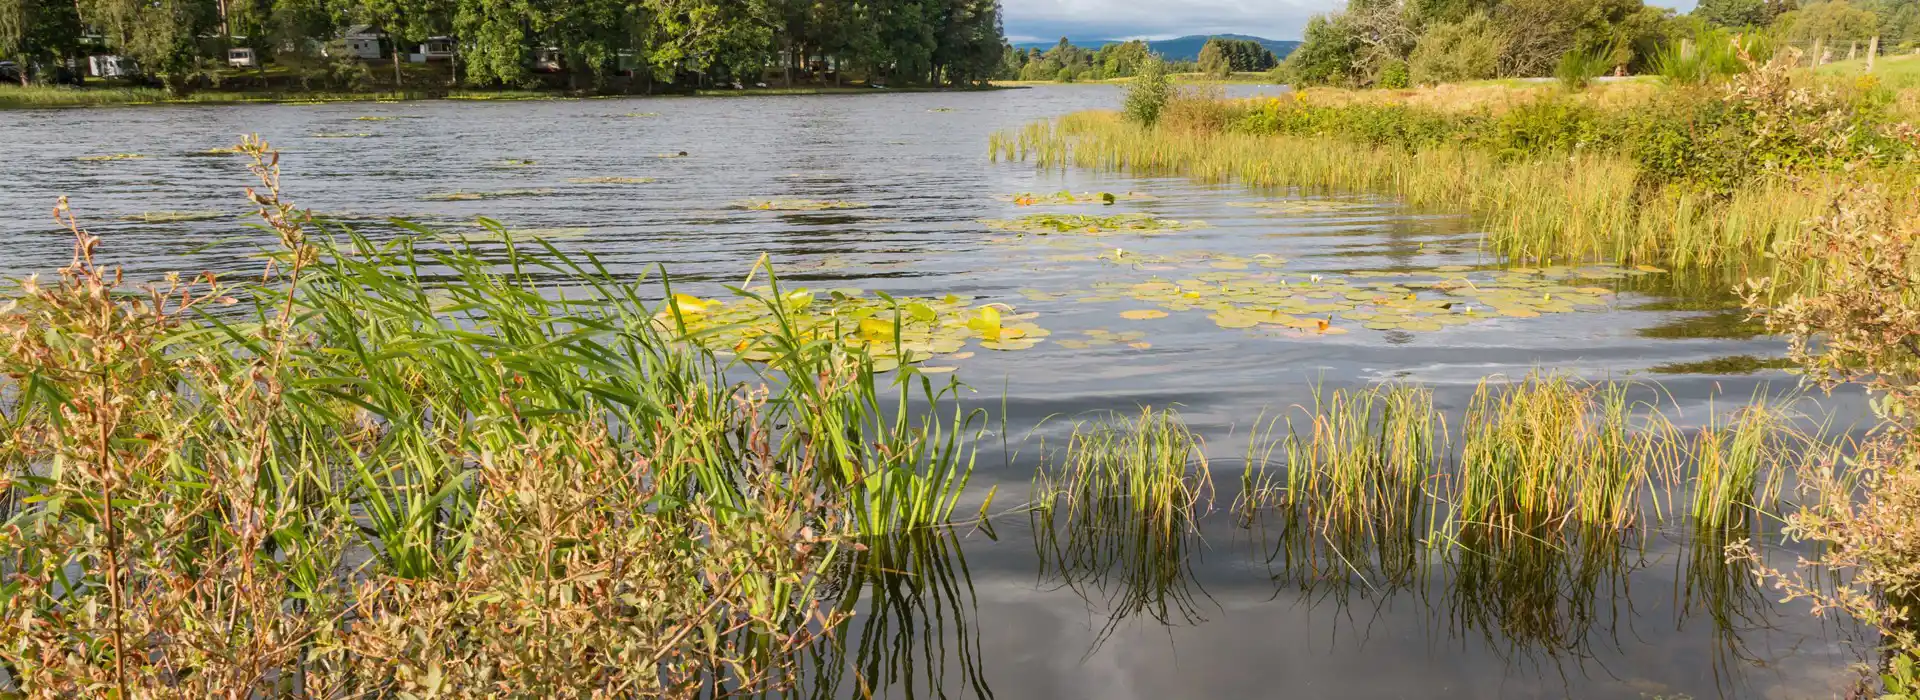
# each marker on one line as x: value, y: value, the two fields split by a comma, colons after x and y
x: 506, y: 42
x: 1396, y: 43
x: 1065, y: 62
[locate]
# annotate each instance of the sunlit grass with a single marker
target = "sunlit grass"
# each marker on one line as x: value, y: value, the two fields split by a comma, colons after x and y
x: 1586, y: 207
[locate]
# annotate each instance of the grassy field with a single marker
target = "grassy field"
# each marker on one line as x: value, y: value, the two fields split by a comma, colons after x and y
x: 1899, y: 72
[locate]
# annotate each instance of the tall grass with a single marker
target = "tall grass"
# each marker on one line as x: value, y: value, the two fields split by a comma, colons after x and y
x: 1116, y: 519
x: 1547, y: 453
x: 390, y: 467
x: 1578, y: 207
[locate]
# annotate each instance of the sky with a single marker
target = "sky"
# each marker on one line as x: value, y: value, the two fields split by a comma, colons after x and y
x: 1048, y: 20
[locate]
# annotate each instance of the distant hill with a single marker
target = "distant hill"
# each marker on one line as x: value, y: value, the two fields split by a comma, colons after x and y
x: 1186, y: 48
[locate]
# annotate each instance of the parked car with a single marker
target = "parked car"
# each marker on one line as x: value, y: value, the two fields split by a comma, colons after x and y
x: 242, y: 58
x: 9, y: 72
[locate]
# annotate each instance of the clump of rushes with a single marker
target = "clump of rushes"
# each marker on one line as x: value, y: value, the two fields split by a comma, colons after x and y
x: 1734, y: 460
x: 344, y: 478
x: 1364, y: 463
x: 1548, y: 452
x: 1116, y: 518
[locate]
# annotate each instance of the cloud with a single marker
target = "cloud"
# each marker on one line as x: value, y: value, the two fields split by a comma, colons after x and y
x: 1047, y: 20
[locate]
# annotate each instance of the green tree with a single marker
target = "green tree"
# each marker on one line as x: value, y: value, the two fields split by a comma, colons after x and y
x: 1214, y: 60
x: 1327, y: 54
x: 159, y: 35
x: 1837, y: 20
x: 1732, y: 13
x: 36, y: 32
x: 1149, y: 92
x: 1452, y: 52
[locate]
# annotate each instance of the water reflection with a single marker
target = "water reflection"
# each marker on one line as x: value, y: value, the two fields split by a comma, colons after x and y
x: 914, y: 633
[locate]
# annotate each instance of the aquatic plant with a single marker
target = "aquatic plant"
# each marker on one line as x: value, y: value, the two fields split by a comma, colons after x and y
x: 893, y: 331
x: 795, y: 205
x: 919, y: 617
x: 1114, y: 520
x: 341, y: 135
x: 1028, y: 199
x: 175, y: 217
x: 1405, y: 300
x: 609, y: 180
x: 110, y: 157
x: 464, y: 196
x: 1081, y: 224
x: 383, y: 465
x: 1547, y: 453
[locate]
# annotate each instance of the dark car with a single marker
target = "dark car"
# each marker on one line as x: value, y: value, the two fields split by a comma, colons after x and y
x: 9, y: 72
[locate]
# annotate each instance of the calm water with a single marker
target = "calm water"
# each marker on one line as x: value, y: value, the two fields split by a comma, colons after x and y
x: 1247, y: 627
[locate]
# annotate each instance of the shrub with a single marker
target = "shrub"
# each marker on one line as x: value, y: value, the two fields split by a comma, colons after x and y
x: 1203, y: 109
x: 1578, y: 68
x: 1393, y: 75
x: 1862, y: 329
x: 1147, y: 95
x: 1465, y: 50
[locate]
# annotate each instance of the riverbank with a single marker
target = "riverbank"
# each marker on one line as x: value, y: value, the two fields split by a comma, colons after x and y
x: 16, y: 97
x: 1638, y: 172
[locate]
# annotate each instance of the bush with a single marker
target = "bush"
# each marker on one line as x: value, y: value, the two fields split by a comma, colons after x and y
x: 1203, y: 109
x: 1147, y: 95
x: 1578, y: 68
x: 1065, y: 75
x: 1466, y: 50
x: 1393, y: 75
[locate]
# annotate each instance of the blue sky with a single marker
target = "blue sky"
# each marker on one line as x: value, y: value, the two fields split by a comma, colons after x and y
x: 1048, y: 20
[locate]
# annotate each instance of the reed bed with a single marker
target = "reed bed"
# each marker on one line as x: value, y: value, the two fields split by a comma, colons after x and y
x: 1583, y: 206
x: 425, y: 464
x: 1116, y: 519
x: 1542, y: 457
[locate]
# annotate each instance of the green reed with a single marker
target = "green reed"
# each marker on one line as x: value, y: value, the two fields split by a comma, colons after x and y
x: 383, y: 460
x: 1548, y: 452
x: 1117, y: 518
x: 920, y: 616
x: 1586, y: 206
x: 1736, y: 464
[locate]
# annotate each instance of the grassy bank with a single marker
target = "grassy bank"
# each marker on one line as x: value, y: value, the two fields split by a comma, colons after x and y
x: 1699, y: 178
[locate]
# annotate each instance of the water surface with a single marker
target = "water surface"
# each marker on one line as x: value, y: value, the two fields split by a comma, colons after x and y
x: 919, y: 161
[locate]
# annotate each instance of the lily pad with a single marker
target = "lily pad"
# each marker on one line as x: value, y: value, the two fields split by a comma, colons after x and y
x: 1143, y: 314
x: 795, y: 205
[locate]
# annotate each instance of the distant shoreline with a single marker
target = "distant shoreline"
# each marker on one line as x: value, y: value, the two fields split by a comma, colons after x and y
x: 14, y: 97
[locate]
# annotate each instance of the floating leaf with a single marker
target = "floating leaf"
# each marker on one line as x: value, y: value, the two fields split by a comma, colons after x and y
x: 795, y: 205
x: 1143, y: 314
x: 610, y: 180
